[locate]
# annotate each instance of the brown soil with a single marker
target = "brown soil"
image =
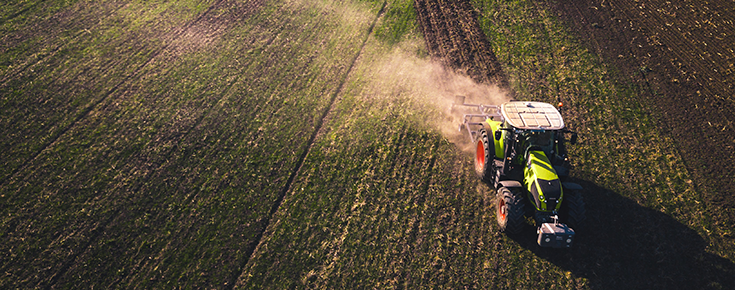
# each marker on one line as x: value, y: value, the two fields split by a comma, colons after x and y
x: 454, y: 36
x: 680, y: 54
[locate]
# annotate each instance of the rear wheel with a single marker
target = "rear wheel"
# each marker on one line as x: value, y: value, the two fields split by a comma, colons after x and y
x: 484, y: 155
x: 572, y: 209
x: 509, y: 210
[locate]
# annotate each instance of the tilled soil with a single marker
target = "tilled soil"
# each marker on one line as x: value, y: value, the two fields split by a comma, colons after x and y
x: 454, y: 36
x: 680, y: 53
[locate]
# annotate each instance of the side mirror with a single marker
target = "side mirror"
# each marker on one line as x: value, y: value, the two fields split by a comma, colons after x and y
x: 573, y: 140
x: 498, y: 134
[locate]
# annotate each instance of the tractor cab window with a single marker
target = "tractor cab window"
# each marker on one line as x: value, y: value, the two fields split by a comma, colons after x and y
x: 541, y: 138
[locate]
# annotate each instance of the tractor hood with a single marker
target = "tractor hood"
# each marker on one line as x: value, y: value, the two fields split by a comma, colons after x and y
x: 542, y: 181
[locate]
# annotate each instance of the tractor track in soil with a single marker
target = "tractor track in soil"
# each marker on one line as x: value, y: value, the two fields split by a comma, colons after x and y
x: 681, y: 57
x: 454, y: 36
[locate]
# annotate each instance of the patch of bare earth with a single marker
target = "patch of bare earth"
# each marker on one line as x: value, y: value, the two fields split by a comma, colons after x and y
x: 454, y: 36
x: 681, y: 56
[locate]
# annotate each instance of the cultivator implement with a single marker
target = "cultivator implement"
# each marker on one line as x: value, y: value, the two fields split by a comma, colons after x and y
x: 476, y: 116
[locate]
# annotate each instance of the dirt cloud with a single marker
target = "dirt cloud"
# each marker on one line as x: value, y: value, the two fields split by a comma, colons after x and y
x: 431, y: 86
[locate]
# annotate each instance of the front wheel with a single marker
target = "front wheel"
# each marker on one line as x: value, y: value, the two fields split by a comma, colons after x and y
x: 509, y: 210
x: 572, y: 210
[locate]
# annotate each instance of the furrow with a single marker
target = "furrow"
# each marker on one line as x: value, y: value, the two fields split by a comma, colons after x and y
x: 84, y: 113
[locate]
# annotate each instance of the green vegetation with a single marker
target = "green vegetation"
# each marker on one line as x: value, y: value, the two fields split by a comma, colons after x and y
x: 193, y: 141
x: 399, y: 21
x: 384, y: 199
x: 277, y: 144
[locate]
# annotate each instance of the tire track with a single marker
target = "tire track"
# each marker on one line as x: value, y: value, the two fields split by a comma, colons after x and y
x: 454, y: 36
x: 252, y: 249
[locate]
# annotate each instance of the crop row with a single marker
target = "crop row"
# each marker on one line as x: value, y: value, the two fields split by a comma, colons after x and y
x: 384, y: 199
x: 202, y: 158
x: 62, y: 67
x: 173, y: 172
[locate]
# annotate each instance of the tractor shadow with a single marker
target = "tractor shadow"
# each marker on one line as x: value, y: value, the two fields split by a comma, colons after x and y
x: 627, y: 246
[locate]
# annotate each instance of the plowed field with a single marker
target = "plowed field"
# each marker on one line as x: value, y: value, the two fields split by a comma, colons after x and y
x: 453, y: 35
x: 306, y: 143
x: 680, y: 55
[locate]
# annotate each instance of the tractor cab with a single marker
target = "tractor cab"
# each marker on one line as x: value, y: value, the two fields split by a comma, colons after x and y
x: 526, y: 127
x: 539, y: 139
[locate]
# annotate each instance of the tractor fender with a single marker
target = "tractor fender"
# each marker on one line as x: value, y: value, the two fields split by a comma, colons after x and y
x: 510, y: 184
x: 494, y: 127
x: 571, y: 186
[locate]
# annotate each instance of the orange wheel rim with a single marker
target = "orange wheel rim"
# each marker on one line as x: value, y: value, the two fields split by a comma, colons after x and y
x: 501, y: 209
x: 480, y: 156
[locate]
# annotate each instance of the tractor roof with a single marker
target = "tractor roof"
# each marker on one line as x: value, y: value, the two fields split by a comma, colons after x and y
x: 532, y: 115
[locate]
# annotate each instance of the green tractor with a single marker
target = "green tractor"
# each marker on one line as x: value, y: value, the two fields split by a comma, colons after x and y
x: 520, y: 152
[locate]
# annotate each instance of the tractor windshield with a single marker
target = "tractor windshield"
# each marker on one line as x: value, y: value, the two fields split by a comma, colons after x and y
x: 541, y: 139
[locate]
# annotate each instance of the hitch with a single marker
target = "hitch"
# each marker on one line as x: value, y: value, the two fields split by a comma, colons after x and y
x: 474, y: 116
x: 555, y: 235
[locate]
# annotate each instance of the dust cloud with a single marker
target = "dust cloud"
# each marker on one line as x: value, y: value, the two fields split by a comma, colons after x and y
x: 432, y: 87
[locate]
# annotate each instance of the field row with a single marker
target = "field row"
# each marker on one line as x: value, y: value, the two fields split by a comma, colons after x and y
x: 173, y: 171
x: 677, y: 59
x: 383, y: 198
x: 58, y: 69
x: 453, y: 35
